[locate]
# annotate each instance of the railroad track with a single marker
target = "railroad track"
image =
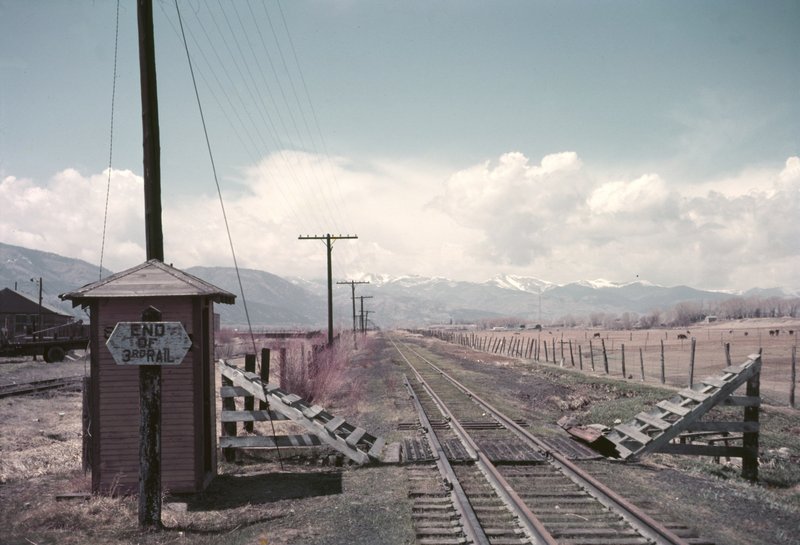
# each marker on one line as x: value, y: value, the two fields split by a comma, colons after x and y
x: 480, y: 477
x: 24, y: 388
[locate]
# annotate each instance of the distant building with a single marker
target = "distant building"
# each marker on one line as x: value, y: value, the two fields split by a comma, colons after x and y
x: 710, y: 319
x: 19, y: 315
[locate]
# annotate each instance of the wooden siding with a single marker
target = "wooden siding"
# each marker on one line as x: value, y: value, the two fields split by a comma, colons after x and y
x: 116, y: 410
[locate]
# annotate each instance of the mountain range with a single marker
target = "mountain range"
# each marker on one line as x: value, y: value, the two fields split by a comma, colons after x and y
x: 402, y: 301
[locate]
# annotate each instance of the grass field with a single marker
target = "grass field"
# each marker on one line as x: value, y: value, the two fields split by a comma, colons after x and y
x: 642, y: 350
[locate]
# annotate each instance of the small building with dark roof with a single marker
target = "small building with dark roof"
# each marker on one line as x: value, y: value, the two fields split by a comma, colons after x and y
x: 19, y: 315
x: 188, y: 421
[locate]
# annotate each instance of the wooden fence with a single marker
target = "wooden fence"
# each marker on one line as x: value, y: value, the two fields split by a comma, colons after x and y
x: 660, y: 356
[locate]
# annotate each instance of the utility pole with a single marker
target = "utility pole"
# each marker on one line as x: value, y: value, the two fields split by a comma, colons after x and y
x: 353, y: 288
x: 39, y: 319
x: 329, y: 240
x: 362, y: 297
x: 366, y: 318
x: 150, y: 133
x: 150, y: 375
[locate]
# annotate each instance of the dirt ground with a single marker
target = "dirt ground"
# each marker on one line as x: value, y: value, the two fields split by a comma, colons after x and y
x: 307, y: 499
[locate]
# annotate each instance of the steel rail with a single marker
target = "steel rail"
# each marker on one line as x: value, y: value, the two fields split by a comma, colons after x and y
x: 641, y: 521
x: 24, y: 388
x: 530, y: 523
x: 469, y: 520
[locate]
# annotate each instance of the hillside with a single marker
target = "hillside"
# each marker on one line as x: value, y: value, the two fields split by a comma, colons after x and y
x: 400, y: 301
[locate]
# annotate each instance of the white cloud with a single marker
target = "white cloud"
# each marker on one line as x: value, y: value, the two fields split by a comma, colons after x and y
x: 638, y: 196
x: 572, y: 223
x: 559, y: 219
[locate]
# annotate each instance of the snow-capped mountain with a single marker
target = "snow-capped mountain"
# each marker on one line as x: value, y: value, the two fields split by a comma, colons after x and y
x: 408, y: 301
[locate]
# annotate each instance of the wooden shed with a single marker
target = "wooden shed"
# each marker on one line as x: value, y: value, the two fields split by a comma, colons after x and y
x: 19, y: 315
x: 188, y: 422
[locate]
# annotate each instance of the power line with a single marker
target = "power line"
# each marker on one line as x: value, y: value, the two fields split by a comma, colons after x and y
x: 110, y: 145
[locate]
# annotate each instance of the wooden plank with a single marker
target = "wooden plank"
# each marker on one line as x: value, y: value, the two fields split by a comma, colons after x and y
x: 263, y: 441
x: 717, y: 382
x: 377, y: 447
x: 673, y: 408
x: 232, y: 391
x: 693, y: 395
x: 741, y: 401
x: 334, y: 424
x: 238, y: 379
x: 250, y: 416
x: 701, y: 450
x: 291, y: 399
x: 733, y: 369
x: 652, y: 420
x: 355, y: 437
x: 733, y: 427
x: 311, y: 412
x: 747, y: 370
x: 633, y: 433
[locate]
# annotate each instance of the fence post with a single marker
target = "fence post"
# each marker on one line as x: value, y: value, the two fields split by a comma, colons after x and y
x: 663, y: 377
x: 641, y: 362
x: 728, y: 354
x: 546, y: 359
x: 750, y: 439
x: 284, y: 368
x: 624, y: 374
x: 591, y: 354
x: 228, y: 428
x: 249, y: 401
x: 580, y: 357
x: 794, y: 376
x: 265, y: 354
x: 691, y: 363
x: 605, y: 355
x: 554, y: 350
x: 571, y: 355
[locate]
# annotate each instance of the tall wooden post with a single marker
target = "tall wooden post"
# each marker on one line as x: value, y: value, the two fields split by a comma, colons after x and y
x: 329, y: 240
x: 794, y: 377
x: 249, y: 401
x: 265, y: 355
x: 624, y: 375
x: 150, y: 438
x: 691, y: 363
x: 228, y: 428
x: 641, y: 362
x: 150, y: 133
x: 750, y: 439
x: 605, y: 355
x: 663, y: 372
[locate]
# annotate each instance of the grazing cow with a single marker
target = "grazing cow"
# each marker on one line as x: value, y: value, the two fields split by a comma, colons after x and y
x: 745, y: 333
x: 597, y: 335
x: 682, y: 337
x: 791, y: 332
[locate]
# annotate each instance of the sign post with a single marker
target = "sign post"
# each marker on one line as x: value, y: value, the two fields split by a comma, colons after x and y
x: 150, y: 344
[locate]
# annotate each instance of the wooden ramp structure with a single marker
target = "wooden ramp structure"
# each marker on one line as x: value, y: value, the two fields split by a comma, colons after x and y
x: 277, y: 404
x: 652, y: 431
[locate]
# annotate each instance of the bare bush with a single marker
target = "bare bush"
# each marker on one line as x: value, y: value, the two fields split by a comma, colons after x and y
x: 316, y: 372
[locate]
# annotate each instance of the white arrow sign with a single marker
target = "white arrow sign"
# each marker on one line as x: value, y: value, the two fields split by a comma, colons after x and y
x: 149, y: 343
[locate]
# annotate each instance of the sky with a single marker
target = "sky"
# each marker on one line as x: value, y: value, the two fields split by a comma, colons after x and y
x: 563, y: 140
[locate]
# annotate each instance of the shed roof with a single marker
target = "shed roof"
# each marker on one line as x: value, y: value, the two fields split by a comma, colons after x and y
x: 13, y: 302
x: 149, y: 279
